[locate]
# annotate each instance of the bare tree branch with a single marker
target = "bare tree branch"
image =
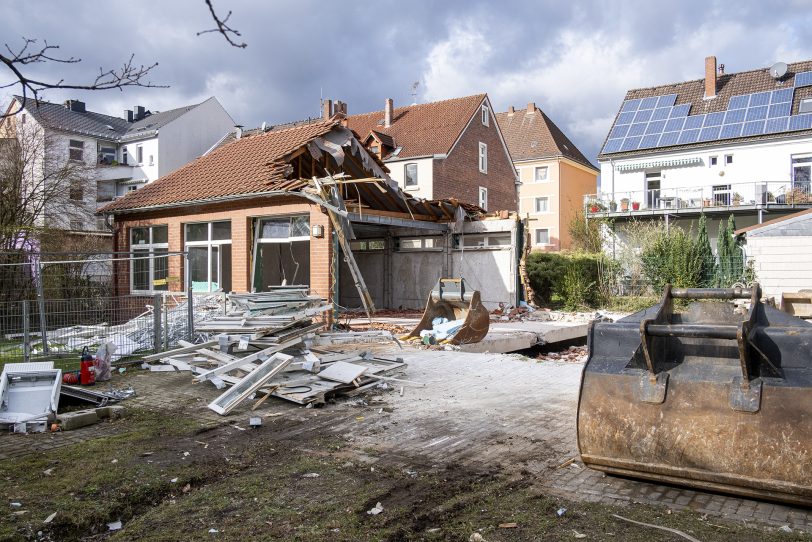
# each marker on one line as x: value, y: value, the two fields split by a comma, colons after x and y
x: 223, y: 28
x: 129, y: 74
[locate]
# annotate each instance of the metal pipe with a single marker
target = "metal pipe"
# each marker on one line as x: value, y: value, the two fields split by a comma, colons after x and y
x: 694, y: 331
x: 190, y: 302
x: 156, y: 322
x: 711, y: 293
x: 41, y: 307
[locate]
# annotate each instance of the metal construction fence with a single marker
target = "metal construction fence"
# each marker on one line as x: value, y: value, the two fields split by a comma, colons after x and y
x: 52, y: 306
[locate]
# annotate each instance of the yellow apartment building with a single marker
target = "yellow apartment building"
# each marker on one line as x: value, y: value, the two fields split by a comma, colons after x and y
x: 554, y: 175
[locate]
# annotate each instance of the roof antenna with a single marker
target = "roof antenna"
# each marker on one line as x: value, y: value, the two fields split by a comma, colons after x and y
x: 414, y: 92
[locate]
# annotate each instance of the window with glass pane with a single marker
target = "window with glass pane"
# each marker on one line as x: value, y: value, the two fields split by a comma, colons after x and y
x: 543, y: 236
x: 197, y: 232
x: 150, y: 265
x: 275, y: 228
x: 541, y: 173
x: 542, y: 205
x: 300, y: 226
x: 198, y: 267
x: 221, y: 231
x: 410, y: 174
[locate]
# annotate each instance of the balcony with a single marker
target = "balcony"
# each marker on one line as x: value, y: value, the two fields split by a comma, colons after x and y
x: 113, y: 172
x: 737, y: 197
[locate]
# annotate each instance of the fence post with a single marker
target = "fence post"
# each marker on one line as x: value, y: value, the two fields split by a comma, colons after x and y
x: 156, y: 322
x: 41, y: 306
x: 190, y: 301
x: 26, y: 333
x: 166, y: 322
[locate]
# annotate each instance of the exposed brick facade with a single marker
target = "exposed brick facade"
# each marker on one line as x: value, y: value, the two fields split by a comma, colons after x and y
x: 458, y: 176
x: 241, y: 214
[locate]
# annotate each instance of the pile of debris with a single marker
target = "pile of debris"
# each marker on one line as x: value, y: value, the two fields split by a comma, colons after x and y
x: 574, y: 354
x: 269, y: 344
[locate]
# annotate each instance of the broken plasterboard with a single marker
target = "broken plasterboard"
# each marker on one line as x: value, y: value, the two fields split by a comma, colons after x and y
x: 342, y: 371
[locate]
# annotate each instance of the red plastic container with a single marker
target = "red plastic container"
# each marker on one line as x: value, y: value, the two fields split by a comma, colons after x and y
x: 87, y: 369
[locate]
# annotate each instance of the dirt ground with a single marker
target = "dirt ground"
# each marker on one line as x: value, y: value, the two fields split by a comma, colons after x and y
x: 447, y: 460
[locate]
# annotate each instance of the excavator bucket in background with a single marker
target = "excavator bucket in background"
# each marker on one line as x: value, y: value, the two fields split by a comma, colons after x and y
x: 451, y: 300
x: 797, y: 303
x: 717, y: 397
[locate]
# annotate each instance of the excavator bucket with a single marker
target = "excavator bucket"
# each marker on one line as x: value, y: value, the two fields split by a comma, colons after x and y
x: 717, y: 396
x: 797, y: 303
x: 466, y: 318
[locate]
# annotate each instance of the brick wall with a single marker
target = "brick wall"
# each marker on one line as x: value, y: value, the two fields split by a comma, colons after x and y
x: 241, y: 215
x: 458, y: 176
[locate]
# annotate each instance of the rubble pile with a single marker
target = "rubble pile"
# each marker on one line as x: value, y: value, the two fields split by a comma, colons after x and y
x: 271, y: 344
x: 573, y: 354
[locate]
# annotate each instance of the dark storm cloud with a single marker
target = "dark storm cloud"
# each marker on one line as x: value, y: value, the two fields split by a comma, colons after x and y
x: 575, y: 59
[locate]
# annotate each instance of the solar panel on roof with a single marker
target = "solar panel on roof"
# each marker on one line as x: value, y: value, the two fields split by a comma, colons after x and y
x: 780, y: 110
x: 738, y: 102
x: 669, y: 138
x: 655, y: 127
x: 803, y: 79
x: 759, y: 98
x: 756, y: 113
x: 800, y: 122
x: 674, y: 125
x: 777, y: 125
x: 714, y: 119
x: 625, y: 118
x: 709, y: 134
x: 680, y: 110
x: 643, y: 115
x: 648, y: 103
x: 753, y: 128
x: 781, y: 96
x: 619, y: 131
x: 636, y: 129
x: 630, y: 105
x: 694, y: 122
x: 661, y: 113
x: 688, y: 136
x: 734, y: 116
x: 649, y: 141
x: 630, y: 143
x: 667, y: 100
x: 613, y: 145
x: 731, y: 130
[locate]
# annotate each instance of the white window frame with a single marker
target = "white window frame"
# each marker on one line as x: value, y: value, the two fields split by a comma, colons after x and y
x: 713, y: 161
x: 536, y: 237
x: 483, y: 157
x: 424, y: 242
x: 536, y: 174
x: 406, y: 182
x: 487, y: 241
x: 728, y: 160
x: 536, y: 201
x: 483, y: 198
x: 209, y: 244
x: 486, y: 116
x: 805, y: 106
x: 364, y: 245
x: 139, y: 155
x: 149, y: 249
x: 259, y: 240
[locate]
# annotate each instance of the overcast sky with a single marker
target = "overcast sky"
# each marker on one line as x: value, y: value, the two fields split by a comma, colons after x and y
x: 574, y: 59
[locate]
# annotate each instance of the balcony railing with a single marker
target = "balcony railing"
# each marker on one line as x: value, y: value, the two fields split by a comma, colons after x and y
x: 758, y: 194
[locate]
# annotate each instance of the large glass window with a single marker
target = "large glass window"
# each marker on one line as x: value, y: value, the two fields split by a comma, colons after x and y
x: 209, y: 248
x: 281, y: 252
x: 410, y: 174
x: 149, y: 271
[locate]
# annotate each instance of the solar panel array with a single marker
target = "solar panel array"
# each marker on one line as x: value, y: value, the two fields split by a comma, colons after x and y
x: 647, y: 123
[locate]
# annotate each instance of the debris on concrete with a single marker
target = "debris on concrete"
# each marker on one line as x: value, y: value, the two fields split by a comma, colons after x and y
x: 77, y: 419
x: 573, y: 354
x: 269, y: 344
x: 454, y: 314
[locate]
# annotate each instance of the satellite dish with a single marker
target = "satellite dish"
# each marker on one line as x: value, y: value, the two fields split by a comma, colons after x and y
x: 778, y: 70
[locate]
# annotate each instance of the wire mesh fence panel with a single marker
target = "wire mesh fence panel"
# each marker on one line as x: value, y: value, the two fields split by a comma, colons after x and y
x: 55, y: 305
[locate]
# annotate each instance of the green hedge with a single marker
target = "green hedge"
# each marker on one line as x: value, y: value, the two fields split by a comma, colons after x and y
x: 571, y: 277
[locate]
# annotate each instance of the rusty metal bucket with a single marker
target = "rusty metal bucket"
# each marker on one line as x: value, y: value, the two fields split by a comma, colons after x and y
x: 717, y: 397
x: 451, y: 299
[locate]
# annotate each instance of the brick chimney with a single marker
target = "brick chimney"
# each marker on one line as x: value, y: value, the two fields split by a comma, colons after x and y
x: 511, y: 110
x: 129, y: 114
x: 710, y: 77
x: 531, y: 107
x: 388, y: 110
x: 326, y: 109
